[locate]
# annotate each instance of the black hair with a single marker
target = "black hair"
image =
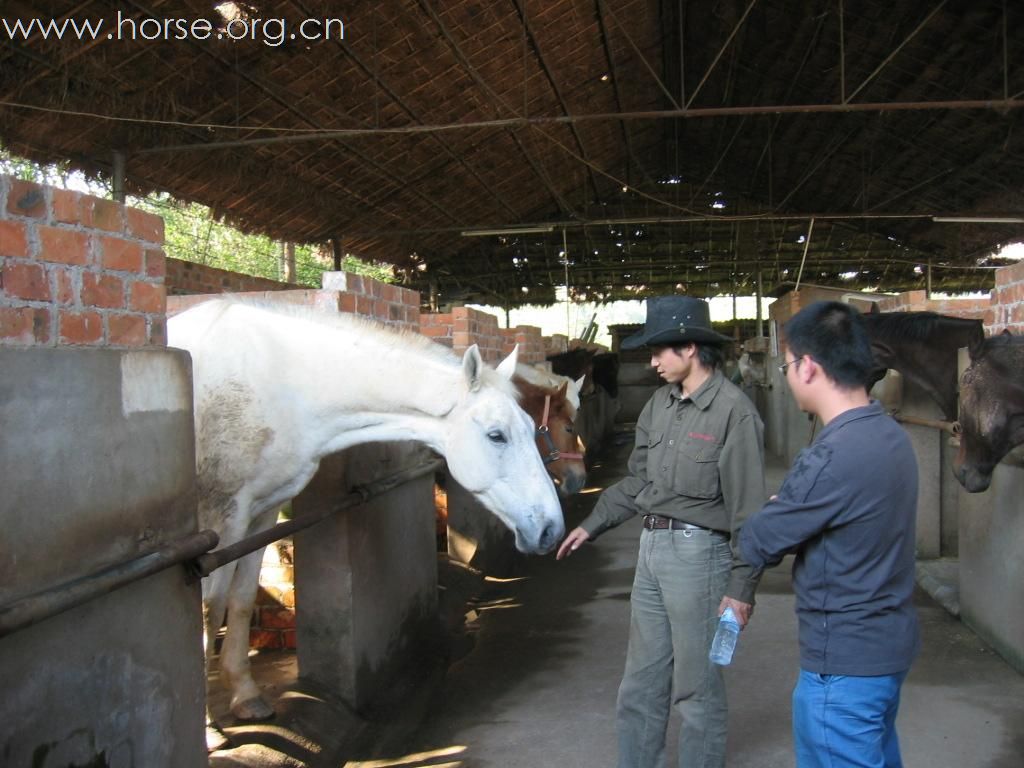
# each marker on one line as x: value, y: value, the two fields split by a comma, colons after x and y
x: 709, y: 355
x: 835, y: 336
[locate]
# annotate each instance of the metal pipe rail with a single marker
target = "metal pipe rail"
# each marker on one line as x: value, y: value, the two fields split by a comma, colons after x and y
x: 211, y: 561
x: 49, y: 602
x: 952, y: 427
x: 189, y: 550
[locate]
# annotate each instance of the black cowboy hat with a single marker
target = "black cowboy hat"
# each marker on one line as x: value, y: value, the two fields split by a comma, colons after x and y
x: 675, y: 320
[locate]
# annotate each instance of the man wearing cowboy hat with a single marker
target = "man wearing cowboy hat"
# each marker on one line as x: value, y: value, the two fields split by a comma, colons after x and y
x: 696, y: 472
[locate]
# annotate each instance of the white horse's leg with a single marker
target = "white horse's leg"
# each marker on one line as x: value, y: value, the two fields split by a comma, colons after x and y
x: 215, y: 601
x: 246, y: 703
x: 215, y: 604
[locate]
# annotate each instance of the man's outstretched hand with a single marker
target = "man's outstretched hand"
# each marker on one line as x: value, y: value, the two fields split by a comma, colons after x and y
x: 572, y: 542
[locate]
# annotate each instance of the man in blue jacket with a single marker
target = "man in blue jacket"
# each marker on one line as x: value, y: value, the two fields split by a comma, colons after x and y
x: 846, y: 509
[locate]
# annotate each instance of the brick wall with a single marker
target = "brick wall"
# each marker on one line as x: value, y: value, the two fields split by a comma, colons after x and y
x: 185, y: 277
x: 78, y: 270
x: 343, y: 292
x: 1002, y: 309
x: 1007, y: 301
x: 917, y: 301
x: 532, y: 344
x: 465, y: 326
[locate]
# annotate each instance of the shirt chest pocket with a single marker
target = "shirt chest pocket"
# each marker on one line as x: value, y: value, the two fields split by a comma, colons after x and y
x: 696, y: 468
x: 689, y: 466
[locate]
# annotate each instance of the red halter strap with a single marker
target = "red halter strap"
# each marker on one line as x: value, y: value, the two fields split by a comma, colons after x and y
x: 543, y: 431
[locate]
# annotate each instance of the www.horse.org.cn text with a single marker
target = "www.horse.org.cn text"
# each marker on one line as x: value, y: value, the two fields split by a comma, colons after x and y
x: 271, y: 32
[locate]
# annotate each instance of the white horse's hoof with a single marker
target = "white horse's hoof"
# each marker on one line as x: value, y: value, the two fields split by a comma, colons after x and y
x: 215, y: 739
x: 252, y: 709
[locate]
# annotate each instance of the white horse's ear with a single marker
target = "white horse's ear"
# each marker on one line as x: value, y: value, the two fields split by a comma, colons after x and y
x: 579, y: 382
x: 472, y: 366
x: 507, y: 367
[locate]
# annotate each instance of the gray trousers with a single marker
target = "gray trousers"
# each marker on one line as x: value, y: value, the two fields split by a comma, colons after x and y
x: 680, y: 580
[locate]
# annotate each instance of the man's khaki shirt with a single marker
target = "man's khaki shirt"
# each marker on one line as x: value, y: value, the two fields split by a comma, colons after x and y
x: 698, y: 459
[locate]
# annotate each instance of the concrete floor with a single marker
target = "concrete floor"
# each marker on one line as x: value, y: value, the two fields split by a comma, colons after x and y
x: 538, y: 686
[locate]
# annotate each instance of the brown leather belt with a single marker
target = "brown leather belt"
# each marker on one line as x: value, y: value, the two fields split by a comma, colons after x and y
x: 662, y: 523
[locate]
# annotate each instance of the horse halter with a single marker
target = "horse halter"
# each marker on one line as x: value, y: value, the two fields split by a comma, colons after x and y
x: 544, y: 432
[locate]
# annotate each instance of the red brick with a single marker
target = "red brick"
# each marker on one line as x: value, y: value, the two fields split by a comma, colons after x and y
x: 147, y: 297
x: 435, y: 333
x: 99, y: 290
x: 63, y: 246
x: 67, y: 206
x: 264, y: 640
x: 145, y: 226
x: 98, y: 213
x: 80, y: 327
x: 120, y: 255
x: 127, y: 330
x: 276, y: 618
x: 66, y: 293
x: 289, y: 639
x: 13, y: 239
x: 24, y: 281
x: 26, y: 199
x: 24, y: 325
x: 156, y: 263
x: 348, y: 302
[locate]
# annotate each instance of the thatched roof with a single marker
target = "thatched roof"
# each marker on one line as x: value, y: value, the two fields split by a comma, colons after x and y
x: 674, y: 145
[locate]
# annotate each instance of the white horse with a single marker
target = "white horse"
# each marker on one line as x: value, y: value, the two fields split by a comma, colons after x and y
x: 276, y: 390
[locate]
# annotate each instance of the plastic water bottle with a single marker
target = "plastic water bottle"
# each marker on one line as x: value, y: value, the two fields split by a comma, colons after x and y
x: 725, y: 638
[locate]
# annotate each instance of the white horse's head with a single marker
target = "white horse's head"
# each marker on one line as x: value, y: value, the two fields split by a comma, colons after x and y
x: 491, y: 452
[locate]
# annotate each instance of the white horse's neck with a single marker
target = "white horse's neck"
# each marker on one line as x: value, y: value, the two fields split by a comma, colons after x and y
x: 370, y: 385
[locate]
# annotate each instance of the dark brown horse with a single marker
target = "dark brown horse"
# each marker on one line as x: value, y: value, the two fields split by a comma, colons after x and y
x: 922, y: 346
x: 991, y: 409
x: 554, y: 413
x: 600, y: 369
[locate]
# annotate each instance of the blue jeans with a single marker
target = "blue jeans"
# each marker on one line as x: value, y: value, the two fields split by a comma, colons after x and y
x: 679, y: 582
x: 842, y: 721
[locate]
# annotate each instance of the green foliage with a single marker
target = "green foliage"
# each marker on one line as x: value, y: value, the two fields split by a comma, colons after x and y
x: 193, y: 234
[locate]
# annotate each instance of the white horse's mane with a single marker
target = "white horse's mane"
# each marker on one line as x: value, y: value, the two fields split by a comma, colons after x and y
x: 371, y: 330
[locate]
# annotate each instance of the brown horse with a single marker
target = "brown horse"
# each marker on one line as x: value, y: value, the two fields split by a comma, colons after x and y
x: 553, y: 411
x: 991, y: 409
x: 922, y: 346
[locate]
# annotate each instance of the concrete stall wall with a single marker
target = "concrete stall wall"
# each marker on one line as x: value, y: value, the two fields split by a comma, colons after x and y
x: 366, y: 579
x: 98, y: 469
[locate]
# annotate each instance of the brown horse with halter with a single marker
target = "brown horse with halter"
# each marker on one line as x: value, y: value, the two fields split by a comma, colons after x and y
x: 557, y: 440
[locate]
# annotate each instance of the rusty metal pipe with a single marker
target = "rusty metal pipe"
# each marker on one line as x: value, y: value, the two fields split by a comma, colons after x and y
x: 208, y: 563
x: 50, y: 602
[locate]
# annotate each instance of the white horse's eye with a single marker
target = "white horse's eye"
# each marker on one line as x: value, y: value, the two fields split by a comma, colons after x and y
x: 497, y: 436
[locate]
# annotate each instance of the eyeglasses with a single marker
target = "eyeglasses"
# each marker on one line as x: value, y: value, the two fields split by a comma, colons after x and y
x: 785, y: 366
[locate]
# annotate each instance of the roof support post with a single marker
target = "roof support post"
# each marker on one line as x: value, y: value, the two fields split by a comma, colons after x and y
x: 337, y: 252
x: 117, y: 175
